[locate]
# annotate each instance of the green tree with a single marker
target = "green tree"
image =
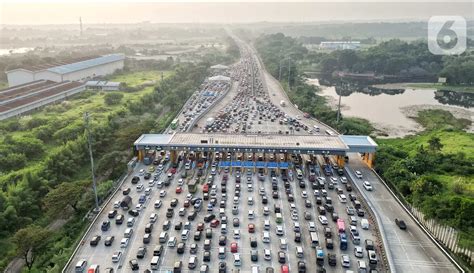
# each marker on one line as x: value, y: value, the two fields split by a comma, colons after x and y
x: 65, y: 195
x: 113, y: 98
x: 29, y: 242
x: 435, y: 144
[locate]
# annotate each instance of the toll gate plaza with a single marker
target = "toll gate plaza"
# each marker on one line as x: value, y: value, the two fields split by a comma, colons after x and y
x: 336, y: 145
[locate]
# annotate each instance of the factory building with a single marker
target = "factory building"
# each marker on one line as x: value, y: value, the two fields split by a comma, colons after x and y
x: 103, y: 85
x: 73, y: 70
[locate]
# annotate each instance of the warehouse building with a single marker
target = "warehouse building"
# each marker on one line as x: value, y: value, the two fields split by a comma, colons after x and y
x: 103, y: 85
x: 73, y: 70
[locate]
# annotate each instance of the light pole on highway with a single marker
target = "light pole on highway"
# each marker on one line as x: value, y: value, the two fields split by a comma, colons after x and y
x: 289, y: 71
x: 89, y: 141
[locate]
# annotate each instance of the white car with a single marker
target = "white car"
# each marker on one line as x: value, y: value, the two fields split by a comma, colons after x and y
x: 147, y: 191
x: 343, y: 180
x: 312, y: 227
x: 345, y: 261
x: 139, y: 207
x: 294, y: 215
x: 323, y: 219
x: 367, y: 186
x: 358, y: 252
x: 141, y: 173
x: 116, y: 256
x: 151, y: 183
x: 358, y: 174
x: 304, y: 194
x: 124, y: 242
x: 162, y: 193
x: 251, y: 214
x: 236, y: 234
x: 267, y: 254
x: 266, y: 211
x: 279, y: 231
x: 180, y: 182
x: 334, y: 180
x: 158, y: 204
x: 140, y: 187
x: 117, y: 204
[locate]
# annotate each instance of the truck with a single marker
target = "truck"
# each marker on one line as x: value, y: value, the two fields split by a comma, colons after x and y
x: 282, y: 103
x: 126, y: 202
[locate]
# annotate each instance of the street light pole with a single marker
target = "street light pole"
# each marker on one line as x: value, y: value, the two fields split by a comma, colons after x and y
x: 289, y: 72
x: 89, y: 141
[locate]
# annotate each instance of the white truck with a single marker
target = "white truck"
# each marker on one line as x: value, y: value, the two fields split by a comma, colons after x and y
x: 282, y: 103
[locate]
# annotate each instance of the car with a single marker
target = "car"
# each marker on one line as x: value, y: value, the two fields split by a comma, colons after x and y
x: 307, y: 215
x: 105, y: 225
x: 111, y: 214
x: 267, y: 254
x: 193, y: 248
x: 369, y: 244
x: 116, y: 256
x: 279, y: 231
x: 179, y: 189
x: 236, y: 222
x: 95, y: 240
x: 358, y: 174
x: 251, y: 228
x: 109, y: 240
x: 345, y: 260
x: 281, y: 257
x: 254, y: 255
x: 215, y: 223
x: 174, y: 202
x: 134, y: 265
x: 233, y: 247
x: 162, y: 193
x: 350, y: 210
x: 178, y: 226
x: 180, y: 248
x: 222, y: 267
x: 304, y: 194
x: 367, y: 186
x: 332, y: 259
x: 222, y: 240
x: 358, y: 252
x: 141, y: 252
x: 400, y: 223
x: 323, y: 219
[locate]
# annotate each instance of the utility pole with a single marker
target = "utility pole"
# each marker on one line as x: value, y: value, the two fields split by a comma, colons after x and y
x: 80, y: 24
x: 339, y: 108
x: 289, y: 72
x: 89, y: 141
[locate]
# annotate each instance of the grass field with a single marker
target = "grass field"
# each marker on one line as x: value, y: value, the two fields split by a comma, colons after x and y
x: 137, y: 78
x: 3, y: 85
x: 457, y: 88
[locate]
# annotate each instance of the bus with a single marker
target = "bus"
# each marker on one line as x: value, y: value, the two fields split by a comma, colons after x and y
x: 342, y: 241
x: 341, y: 226
x: 314, y: 239
x: 192, y: 186
x: 174, y: 124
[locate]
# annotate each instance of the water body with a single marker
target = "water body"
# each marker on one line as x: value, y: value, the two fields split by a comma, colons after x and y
x: 9, y: 51
x: 389, y: 112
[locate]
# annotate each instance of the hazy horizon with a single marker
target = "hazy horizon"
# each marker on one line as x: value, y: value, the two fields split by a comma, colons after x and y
x: 243, y: 12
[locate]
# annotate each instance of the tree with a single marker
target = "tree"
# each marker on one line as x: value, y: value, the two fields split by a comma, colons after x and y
x: 67, y: 194
x: 29, y: 242
x: 113, y: 98
x: 435, y: 144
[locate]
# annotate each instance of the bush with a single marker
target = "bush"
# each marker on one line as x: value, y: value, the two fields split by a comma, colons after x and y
x: 113, y: 98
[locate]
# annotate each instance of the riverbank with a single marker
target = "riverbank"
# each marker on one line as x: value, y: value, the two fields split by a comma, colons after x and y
x: 427, y: 85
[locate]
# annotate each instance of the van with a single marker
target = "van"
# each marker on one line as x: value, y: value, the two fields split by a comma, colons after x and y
x: 80, y: 266
x: 184, y: 235
x: 255, y: 269
x: 299, y: 252
x: 364, y: 223
x: 224, y: 229
x: 163, y: 237
x: 192, y: 262
x: 283, y: 244
x: 128, y: 233
x: 155, y: 262
x: 171, y: 242
x: 93, y: 269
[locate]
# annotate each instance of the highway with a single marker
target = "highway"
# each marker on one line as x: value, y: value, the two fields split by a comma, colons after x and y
x: 253, y: 106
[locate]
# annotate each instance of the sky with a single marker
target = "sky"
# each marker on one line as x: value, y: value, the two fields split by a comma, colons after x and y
x: 128, y: 11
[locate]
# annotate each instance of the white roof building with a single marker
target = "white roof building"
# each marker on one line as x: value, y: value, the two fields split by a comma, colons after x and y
x: 219, y: 78
x: 219, y: 67
x: 78, y: 69
x: 103, y: 85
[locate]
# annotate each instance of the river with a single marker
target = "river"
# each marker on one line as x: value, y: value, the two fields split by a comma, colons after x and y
x: 390, y: 112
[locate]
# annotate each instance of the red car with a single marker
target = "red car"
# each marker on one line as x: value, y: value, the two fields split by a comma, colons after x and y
x: 251, y: 228
x: 215, y: 223
x: 233, y: 247
x: 179, y: 190
x: 225, y: 177
x: 200, y: 227
x: 186, y: 203
x: 173, y: 170
x: 285, y: 269
x: 205, y: 188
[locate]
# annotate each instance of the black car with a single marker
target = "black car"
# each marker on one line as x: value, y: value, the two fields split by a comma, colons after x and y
x: 264, y: 200
x: 174, y: 202
x: 329, y: 208
x: 141, y: 252
x: 291, y: 198
x: 253, y: 242
x: 169, y: 213
x: 126, y: 191
x: 135, y: 179
x: 208, y: 218
x: 95, y: 240
x: 301, y: 267
x: 332, y: 259
x: 109, y: 240
x: 178, y: 226
x: 254, y: 255
x: 133, y: 212
x: 302, y: 184
x: 207, y: 256
x: 222, y: 267
x: 134, y: 264
x: 197, y: 235
x: 236, y: 222
x: 112, y: 214
x: 105, y: 225
x: 400, y: 223
x: 180, y: 248
x: 192, y: 216
x: 147, y: 175
x: 275, y: 195
x: 361, y: 213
